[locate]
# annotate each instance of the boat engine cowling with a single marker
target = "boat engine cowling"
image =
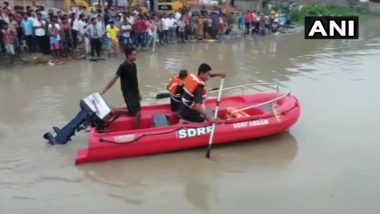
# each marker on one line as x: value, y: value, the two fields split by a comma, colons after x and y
x: 94, y: 112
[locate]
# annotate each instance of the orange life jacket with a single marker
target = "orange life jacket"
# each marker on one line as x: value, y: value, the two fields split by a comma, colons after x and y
x: 190, y: 85
x: 175, y: 84
x: 236, y: 115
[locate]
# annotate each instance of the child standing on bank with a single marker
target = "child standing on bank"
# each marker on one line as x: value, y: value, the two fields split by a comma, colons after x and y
x: 55, y: 41
x: 113, y: 33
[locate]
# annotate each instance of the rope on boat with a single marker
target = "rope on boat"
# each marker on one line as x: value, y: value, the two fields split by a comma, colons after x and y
x: 276, y: 113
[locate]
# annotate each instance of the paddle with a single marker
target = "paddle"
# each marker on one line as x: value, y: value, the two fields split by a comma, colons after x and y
x: 215, y: 116
x: 167, y: 94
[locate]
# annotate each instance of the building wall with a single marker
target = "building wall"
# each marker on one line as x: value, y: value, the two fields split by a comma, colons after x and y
x: 29, y: 2
x: 56, y: 4
x: 47, y: 3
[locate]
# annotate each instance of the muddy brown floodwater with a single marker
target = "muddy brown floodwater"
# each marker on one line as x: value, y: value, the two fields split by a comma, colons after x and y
x: 327, y: 163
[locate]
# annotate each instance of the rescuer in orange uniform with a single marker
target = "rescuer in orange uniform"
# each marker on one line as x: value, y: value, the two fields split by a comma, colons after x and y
x: 194, y: 94
x: 175, y: 87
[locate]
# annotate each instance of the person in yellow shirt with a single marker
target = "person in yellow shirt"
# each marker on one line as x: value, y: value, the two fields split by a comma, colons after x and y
x: 113, y: 34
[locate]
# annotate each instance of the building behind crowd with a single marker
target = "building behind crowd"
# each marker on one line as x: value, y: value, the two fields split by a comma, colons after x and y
x: 47, y: 3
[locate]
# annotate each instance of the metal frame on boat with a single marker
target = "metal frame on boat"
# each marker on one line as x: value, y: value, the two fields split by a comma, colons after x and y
x: 252, y: 85
x: 248, y: 85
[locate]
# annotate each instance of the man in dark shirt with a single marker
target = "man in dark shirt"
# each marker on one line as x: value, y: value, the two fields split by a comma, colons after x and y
x: 129, y: 85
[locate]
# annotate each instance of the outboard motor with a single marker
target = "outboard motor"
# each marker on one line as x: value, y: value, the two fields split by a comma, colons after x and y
x: 94, y: 111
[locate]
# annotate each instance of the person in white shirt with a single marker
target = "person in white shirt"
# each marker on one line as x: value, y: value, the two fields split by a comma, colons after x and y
x: 74, y: 10
x: 130, y: 19
x: 165, y: 26
x: 95, y: 32
x: 177, y: 15
x: 80, y: 24
x: 86, y: 38
x: 42, y: 41
x: 172, y: 27
x: 126, y: 39
x: 74, y: 24
x: 181, y: 28
x: 43, y: 13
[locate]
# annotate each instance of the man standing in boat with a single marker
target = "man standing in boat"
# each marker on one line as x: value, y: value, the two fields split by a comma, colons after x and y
x: 129, y: 85
x: 195, y: 92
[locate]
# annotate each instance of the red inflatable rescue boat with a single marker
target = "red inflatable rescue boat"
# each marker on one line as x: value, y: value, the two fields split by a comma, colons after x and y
x: 246, y: 117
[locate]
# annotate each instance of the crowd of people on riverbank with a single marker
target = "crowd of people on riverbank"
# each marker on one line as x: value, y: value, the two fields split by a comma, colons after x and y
x: 59, y: 34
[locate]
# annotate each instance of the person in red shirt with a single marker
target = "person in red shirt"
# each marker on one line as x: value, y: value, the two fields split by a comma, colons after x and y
x: 10, y: 38
x: 141, y: 28
x: 248, y: 21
